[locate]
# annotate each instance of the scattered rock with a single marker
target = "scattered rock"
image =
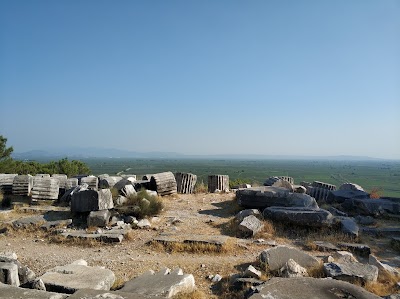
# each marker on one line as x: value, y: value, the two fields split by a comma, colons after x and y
x: 250, y: 226
x: 216, y: 278
x: 299, y: 216
x: 244, y: 213
x: 307, y: 288
x: 351, y: 272
x: 12, y: 292
x: 252, y: 272
x: 91, y: 200
x: 365, y: 220
x: 98, y: 218
x: 325, y: 246
x: 275, y: 258
x: 9, y: 274
x: 292, y: 269
x: 70, y: 278
x: 143, y: 223
x: 361, y: 249
x: 164, y: 283
x: 351, y: 186
x: 383, y: 268
x: 336, y: 212
x: 38, y: 284
x: 344, y: 257
x: 349, y: 226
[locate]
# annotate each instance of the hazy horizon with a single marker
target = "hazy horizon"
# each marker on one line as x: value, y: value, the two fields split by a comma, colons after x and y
x: 308, y: 78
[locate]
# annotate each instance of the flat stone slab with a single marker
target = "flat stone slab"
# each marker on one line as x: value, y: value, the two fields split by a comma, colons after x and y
x: 70, y: 278
x: 351, y: 272
x: 27, y: 221
x: 164, y: 283
x: 299, y: 216
x: 382, y: 232
x: 360, y: 249
x: 263, y: 197
x: 275, y: 258
x: 11, y: 292
x: 310, y: 288
x: 96, y: 294
x: 325, y: 246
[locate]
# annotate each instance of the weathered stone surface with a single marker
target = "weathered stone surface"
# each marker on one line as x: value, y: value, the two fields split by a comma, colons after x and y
x: 325, y: 246
x: 320, y: 190
x: 340, y: 196
x: 365, y: 220
x: 361, y: 249
x: 185, y: 182
x: 106, y: 237
x: 310, y: 288
x: 250, y: 226
x: 91, y: 200
x: 383, y: 268
x: 164, y: 183
x: 275, y: 258
x: 71, y: 183
x: 6, y: 182
x: 128, y: 191
x: 38, y: 284
x: 22, y: 185
x: 9, y: 274
x: 97, y: 294
x: 293, y: 269
x: 299, y: 216
x: 12, y: 292
x: 70, y: 278
x: 218, y: 182
x: 91, y: 180
x: 244, y: 213
x: 8, y: 257
x: 262, y: 197
x: 341, y: 256
x: 272, y: 180
x: 351, y: 186
x: 98, y: 218
x: 252, y: 272
x: 164, y: 283
x: 30, y: 220
x: 351, y: 272
x: 144, y: 223
x: 45, y: 188
x: 62, y: 180
x: 108, y: 182
x: 336, y: 212
x: 349, y: 226
x: 372, y: 207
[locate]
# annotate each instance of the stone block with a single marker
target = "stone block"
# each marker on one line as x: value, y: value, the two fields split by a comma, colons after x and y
x: 91, y: 200
x: 98, y: 218
x: 70, y: 278
x: 164, y: 283
x: 275, y: 258
x: 9, y: 274
x: 351, y: 272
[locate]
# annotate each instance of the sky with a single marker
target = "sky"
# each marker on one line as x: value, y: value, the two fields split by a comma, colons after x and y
x: 315, y: 78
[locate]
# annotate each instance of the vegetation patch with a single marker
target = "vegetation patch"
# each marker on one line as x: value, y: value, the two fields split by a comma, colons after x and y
x: 143, y: 204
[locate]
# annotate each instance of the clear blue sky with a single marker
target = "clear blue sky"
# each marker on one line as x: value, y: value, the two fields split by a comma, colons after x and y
x: 202, y: 77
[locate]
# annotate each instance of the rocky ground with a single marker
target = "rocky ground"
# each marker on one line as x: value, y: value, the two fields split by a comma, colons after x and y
x: 198, y: 214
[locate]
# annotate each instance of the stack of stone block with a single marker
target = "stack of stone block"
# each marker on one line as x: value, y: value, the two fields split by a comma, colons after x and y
x: 6, y: 182
x: 92, y: 181
x: 22, y: 185
x: 218, y: 183
x: 71, y: 183
x: 45, y: 188
x: 320, y: 190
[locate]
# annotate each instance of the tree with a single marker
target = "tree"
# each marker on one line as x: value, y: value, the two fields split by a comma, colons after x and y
x: 5, y: 153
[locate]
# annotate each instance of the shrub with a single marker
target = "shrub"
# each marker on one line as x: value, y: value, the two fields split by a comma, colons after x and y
x: 5, y: 201
x: 200, y: 187
x: 376, y: 193
x: 144, y: 204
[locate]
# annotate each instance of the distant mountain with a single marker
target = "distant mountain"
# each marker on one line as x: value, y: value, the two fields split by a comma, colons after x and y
x: 90, y: 152
x: 94, y: 152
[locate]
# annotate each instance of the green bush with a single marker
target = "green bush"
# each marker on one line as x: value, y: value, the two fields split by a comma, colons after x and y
x: 144, y: 204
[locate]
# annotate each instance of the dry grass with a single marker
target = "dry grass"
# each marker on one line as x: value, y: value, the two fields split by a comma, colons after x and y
x: 317, y: 271
x: 376, y: 193
x: 193, y: 247
x: 144, y: 204
x: 196, y: 294
x: 118, y: 283
x: 74, y: 241
x: 386, y: 284
x: 200, y: 187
